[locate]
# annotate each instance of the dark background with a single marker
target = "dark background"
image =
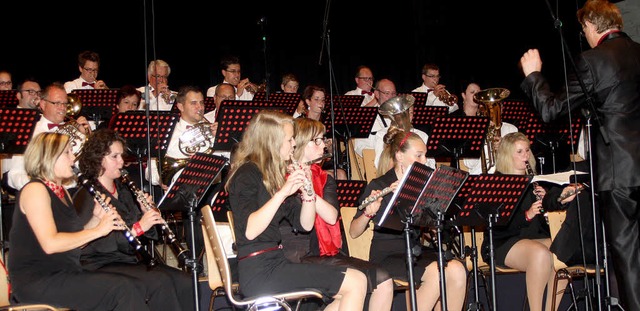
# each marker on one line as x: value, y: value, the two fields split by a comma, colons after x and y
x: 467, y: 39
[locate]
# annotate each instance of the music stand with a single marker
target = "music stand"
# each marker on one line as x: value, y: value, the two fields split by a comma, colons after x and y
x: 351, y: 121
x: 8, y: 98
x: 457, y: 137
x: 220, y: 206
x: 554, y: 135
x: 209, y: 105
x: 185, y: 194
x: 16, y: 128
x: 349, y: 191
x: 348, y: 100
x: 97, y: 105
x: 232, y: 121
x: 489, y: 200
x: 278, y: 98
x: 517, y: 112
x: 285, y: 107
x: 424, y: 116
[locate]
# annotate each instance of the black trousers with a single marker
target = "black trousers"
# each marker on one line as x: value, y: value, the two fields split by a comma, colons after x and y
x: 621, y: 212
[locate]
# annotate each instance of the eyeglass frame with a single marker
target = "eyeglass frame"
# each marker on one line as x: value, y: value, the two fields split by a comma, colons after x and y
x: 389, y: 93
x: 91, y: 70
x: 32, y: 92
x: 54, y: 103
x: 366, y: 78
x: 6, y: 82
x: 323, y: 140
x: 434, y: 76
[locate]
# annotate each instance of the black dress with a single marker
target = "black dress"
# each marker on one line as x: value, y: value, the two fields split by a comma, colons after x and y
x: 388, y: 247
x: 271, y: 272
x: 58, y: 279
x: 166, y: 288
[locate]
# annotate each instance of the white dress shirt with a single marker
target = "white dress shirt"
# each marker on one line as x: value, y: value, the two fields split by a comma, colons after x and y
x: 246, y: 95
x: 358, y: 91
x: 77, y: 85
x: 433, y: 100
x: 474, y: 164
x: 154, y: 105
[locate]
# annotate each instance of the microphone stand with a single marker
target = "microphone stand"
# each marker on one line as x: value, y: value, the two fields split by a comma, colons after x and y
x: 591, y: 114
x: 262, y: 22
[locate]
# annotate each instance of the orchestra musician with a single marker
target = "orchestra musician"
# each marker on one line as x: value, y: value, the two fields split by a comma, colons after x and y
x: 261, y: 195
x: 47, y: 236
x: 166, y: 288
x: 325, y: 239
x: 88, y: 65
x: 388, y: 247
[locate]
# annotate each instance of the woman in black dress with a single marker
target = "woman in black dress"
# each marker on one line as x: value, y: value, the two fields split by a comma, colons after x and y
x: 388, y: 247
x: 101, y: 161
x: 47, y: 235
x: 261, y: 194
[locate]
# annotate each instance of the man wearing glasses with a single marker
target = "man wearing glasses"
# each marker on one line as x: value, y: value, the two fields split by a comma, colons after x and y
x: 431, y: 85
x: 5, y: 81
x: 364, y: 83
x: 232, y: 71
x: 160, y: 96
x: 88, y: 65
x: 28, y: 94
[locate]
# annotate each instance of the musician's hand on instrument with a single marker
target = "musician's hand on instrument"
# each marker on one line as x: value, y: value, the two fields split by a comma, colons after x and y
x: 110, y: 221
x: 100, y: 85
x: 241, y: 86
x: 149, y: 219
x: 531, y: 62
x: 539, y: 191
x: 295, y: 181
x: 84, y: 127
x: 569, y: 193
x: 214, y: 128
x: 439, y: 90
x: 536, y: 208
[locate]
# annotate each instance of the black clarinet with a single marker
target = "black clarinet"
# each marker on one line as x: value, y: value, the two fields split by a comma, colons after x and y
x: 129, y: 235
x: 180, y: 252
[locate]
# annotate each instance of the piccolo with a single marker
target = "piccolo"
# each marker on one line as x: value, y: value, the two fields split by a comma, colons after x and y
x: 324, y: 156
x: 372, y: 199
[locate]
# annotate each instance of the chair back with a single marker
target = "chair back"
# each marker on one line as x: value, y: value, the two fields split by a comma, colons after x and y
x: 356, y: 163
x: 217, y: 263
x: 358, y: 247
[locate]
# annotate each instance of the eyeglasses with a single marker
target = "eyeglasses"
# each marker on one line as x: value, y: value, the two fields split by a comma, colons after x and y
x: 54, y: 103
x: 433, y: 76
x: 90, y: 70
x: 233, y: 71
x: 389, y: 93
x: 160, y: 77
x: 366, y: 78
x: 32, y: 92
x: 319, y: 141
x: 7, y: 83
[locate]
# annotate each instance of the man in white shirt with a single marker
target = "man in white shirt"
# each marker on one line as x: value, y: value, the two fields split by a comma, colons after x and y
x: 431, y: 86
x: 160, y: 96
x: 88, y: 65
x: 385, y: 89
x: 364, y: 82
x: 231, y: 71
x: 53, y: 105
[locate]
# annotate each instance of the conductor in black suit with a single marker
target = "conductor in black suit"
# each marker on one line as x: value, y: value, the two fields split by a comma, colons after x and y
x: 610, y: 71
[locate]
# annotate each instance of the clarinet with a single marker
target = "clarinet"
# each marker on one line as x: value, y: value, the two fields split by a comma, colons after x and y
x: 538, y: 197
x: 129, y: 235
x: 180, y: 252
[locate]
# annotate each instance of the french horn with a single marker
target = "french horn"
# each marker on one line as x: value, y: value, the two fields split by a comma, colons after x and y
x: 71, y: 127
x: 198, y: 138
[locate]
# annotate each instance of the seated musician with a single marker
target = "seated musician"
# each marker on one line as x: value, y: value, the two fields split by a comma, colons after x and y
x: 166, y: 288
x: 524, y: 243
x: 128, y: 99
x: 324, y: 242
x: 47, y: 235
x: 388, y: 247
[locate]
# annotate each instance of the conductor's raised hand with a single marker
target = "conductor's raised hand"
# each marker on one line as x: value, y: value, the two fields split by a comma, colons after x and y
x: 531, y: 62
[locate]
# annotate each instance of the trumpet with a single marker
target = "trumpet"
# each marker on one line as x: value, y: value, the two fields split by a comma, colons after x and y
x: 253, y: 88
x: 128, y: 233
x: 448, y: 98
x: 177, y: 249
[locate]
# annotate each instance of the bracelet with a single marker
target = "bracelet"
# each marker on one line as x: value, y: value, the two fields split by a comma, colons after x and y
x: 308, y: 200
x: 527, y: 217
x: 369, y: 216
x: 138, y: 229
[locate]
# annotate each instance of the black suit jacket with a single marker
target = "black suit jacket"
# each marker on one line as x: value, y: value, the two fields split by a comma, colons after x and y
x: 611, y: 74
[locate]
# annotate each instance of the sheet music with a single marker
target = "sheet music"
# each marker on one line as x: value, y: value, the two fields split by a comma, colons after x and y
x: 557, y: 178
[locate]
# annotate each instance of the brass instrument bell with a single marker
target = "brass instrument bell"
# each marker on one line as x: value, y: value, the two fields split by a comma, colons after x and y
x: 397, y: 108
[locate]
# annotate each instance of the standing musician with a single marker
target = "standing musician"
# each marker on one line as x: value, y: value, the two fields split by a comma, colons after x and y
x: 524, y: 243
x: 47, y: 236
x: 388, y: 247
x: 261, y: 195
x: 166, y: 288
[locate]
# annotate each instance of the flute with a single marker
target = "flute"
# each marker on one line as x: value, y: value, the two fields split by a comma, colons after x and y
x: 372, y: 199
x: 324, y: 156
x: 308, y: 186
x: 129, y: 235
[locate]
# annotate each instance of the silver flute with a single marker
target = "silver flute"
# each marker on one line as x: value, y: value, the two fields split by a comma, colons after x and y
x: 373, y: 198
x: 308, y: 186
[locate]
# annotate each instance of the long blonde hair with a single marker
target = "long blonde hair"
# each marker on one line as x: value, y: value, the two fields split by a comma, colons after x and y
x: 42, y: 153
x: 504, y: 155
x: 260, y: 144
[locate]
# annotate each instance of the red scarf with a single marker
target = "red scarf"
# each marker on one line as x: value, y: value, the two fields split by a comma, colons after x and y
x: 329, y: 237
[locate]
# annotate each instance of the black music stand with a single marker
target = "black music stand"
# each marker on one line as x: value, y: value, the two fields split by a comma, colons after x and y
x: 553, y: 137
x: 424, y: 116
x: 97, y: 105
x: 457, y: 137
x: 420, y: 98
x: 232, y: 121
x: 220, y: 206
x: 285, y: 107
x: 185, y: 194
x: 517, y: 112
x: 348, y: 100
x: 349, y: 191
x: 16, y: 128
x: 209, y: 105
x: 489, y: 200
x: 8, y: 98
x: 132, y: 126
x: 278, y: 98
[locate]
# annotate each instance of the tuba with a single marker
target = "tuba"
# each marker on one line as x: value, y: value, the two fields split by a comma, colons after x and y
x: 199, y: 138
x: 71, y: 127
x: 397, y: 108
x: 490, y: 106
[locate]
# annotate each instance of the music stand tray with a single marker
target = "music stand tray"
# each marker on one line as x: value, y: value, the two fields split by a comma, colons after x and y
x: 424, y: 116
x: 517, y: 112
x: 348, y: 100
x: 16, y: 128
x: 8, y: 98
x: 132, y: 126
x: 209, y: 105
x: 284, y: 107
x: 349, y: 191
x: 97, y: 104
x: 457, y: 137
x: 279, y: 98
x: 356, y: 121
x: 557, y: 131
x: 233, y: 120
x: 436, y: 197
